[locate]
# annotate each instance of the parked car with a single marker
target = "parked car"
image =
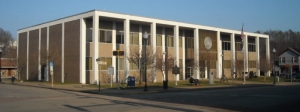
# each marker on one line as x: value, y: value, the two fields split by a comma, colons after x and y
x: 296, y: 76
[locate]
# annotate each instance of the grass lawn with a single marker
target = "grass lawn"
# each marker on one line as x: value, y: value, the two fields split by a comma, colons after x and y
x: 264, y: 79
x: 171, y: 84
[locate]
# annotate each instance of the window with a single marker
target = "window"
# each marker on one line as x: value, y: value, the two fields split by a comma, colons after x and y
x: 105, y: 36
x: 170, y: 41
x: 227, y: 64
x: 180, y: 63
x: 251, y: 48
x: 180, y: 41
x: 282, y: 59
x: 120, y: 37
x: 89, y: 35
x: 89, y: 63
x: 158, y: 40
x: 238, y: 46
x: 226, y: 45
x: 189, y: 42
x: 134, y: 38
x: 108, y: 61
x: 295, y: 59
x: 121, y: 63
x: 252, y: 64
x: 134, y: 66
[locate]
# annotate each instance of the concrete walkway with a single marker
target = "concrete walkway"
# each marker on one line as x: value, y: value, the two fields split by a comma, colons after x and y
x: 131, y: 91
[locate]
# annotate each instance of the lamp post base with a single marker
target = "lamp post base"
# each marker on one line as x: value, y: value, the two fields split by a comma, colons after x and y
x: 146, y: 88
x: 165, y: 84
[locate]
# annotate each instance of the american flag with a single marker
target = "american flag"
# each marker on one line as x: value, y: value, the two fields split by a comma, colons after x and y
x: 242, y: 34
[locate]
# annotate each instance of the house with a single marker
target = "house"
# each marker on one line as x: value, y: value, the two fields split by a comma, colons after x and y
x: 289, y: 60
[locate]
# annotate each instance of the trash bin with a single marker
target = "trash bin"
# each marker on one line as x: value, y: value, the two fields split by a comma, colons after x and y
x: 196, y: 82
x: 131, y: 81
x: 251, y: 74
x: 191, y: 80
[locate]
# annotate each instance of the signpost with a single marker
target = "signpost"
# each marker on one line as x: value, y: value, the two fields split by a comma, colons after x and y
x: 111, y: 73
x: 175, y: 71
x: 100, y: 63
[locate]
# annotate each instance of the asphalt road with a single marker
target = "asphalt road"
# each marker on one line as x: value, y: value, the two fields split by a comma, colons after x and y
x: 255, y: 99
x: 267, y: 98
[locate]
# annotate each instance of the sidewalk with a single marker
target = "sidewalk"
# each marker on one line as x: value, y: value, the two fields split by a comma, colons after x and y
x: 131, y: 91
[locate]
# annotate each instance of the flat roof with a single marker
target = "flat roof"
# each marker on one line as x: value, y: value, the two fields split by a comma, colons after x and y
x: 136, y: 16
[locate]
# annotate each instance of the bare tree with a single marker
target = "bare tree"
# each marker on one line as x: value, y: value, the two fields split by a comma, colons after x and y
x: 265, y: 66
x: 239, y: 67
x: 162, y: 65
x: 137, y: 57
x: 52, y: 54
x: 5, y: 40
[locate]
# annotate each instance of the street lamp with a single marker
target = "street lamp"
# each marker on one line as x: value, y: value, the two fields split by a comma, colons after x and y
x: 145, y: 36
x: 0, y: 64
x: 274, y: 51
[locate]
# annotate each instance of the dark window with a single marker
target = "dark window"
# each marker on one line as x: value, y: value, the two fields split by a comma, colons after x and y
x: 226, y: 46
x: 105, y: 36
x: 189, y: 42
x: 89, y: 62
x: 251, y: 48
x: 120, y: 38
x: 89, y: 35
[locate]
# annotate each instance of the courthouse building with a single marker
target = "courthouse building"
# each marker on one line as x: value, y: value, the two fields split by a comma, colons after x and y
x: 75, y: 42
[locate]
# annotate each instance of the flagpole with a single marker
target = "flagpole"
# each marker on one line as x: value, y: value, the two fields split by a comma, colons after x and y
x: 244, y: 52
x: 244, y: 64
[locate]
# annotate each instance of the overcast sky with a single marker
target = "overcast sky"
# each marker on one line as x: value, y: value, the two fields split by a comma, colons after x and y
x: 230, y: 14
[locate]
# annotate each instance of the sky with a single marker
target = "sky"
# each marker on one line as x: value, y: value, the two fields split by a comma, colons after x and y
x: 256, y: 15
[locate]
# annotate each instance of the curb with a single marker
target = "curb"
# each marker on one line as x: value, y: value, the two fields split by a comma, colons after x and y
x: 125, y: 92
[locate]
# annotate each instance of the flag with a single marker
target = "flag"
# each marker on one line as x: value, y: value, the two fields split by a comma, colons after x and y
x: 242, y: 34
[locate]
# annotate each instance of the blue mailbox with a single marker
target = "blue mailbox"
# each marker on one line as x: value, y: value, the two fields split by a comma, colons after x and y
x: 131, y: 81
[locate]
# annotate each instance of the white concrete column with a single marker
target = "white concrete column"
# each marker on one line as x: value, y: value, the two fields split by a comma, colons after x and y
x: 257, y: 56
x: 268, y: 54
x: 140, y: 47
x: 126, y: 47
x: 163, y: 50
x: 140, y: 39
x: 183, y: 56
x: 63, y: 54
x: 114, y: 59
x: 196, y: 54
x: 18, y: 44
x: 47, y: 61
x: 219, y: 53
x: 153, y: 42
x: 176, y: 45
x: 82, y: 69
x: 233, y: 53
x: 96, y: 46
x: 39, y: 56
x: 27, y: 62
